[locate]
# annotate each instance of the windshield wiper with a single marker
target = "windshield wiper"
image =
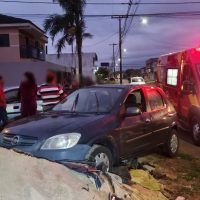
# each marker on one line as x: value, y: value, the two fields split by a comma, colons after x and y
x: 97, y: 103
x: 75, y: 104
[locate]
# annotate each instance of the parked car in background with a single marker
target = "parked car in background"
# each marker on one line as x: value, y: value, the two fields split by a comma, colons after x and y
x: 13, y: 102
x: 137, y: 81
x: 103, y: 124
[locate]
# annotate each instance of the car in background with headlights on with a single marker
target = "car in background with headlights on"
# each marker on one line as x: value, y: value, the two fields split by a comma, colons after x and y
x: 137, y: 81
x: 103, y: 124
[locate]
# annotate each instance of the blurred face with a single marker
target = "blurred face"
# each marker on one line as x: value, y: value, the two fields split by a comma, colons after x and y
x: 25, y: 79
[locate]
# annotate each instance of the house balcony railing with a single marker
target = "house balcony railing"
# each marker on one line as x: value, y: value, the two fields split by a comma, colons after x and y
x: 32, y: 52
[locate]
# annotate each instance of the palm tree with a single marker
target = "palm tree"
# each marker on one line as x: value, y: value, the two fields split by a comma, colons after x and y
x: 71, y: 25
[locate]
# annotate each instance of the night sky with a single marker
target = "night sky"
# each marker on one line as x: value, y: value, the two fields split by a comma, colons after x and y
x: 159, y: 36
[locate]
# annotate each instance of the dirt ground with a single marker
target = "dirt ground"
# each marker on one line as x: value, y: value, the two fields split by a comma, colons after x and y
x: 181, y: 175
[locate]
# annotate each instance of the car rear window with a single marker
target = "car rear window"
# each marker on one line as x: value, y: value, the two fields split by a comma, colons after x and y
x: 12, y: 96
x: 155, y: 100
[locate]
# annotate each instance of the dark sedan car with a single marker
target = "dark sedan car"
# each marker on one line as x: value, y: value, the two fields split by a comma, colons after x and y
x: 102, y: 124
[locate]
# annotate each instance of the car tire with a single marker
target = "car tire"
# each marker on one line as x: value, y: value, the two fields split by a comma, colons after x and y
x: 102, y: 157
x: 195, y: 129
x: 171, y: 147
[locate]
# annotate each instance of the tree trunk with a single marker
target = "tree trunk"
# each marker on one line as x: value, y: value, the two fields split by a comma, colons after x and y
x: 80, y: 65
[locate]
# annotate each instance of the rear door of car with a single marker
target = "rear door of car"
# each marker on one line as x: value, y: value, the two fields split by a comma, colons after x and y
x: 13, y: 104
x: 157, y: 108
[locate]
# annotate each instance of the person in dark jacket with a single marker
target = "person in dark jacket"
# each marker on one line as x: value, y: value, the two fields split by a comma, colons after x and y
x: 3, y: 113
x: 28, y: 95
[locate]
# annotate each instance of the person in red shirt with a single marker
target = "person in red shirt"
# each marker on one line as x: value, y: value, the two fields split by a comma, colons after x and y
x: 3, y: 113
x: 28, y: 95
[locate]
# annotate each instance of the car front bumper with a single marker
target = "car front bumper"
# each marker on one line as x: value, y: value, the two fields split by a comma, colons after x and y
x: 76, y: 153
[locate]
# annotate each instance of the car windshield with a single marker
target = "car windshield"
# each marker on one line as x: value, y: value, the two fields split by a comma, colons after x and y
x: 90, y: 100
x: 137, y: 80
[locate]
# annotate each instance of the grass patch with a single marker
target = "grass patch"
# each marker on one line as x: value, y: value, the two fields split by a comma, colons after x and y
x: 185, y: 156
x: 193, y: 171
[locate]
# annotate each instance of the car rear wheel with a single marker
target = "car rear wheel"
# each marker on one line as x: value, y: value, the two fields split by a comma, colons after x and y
x: 196, y: 131
x: 102, y: 157
x: 172, y: 145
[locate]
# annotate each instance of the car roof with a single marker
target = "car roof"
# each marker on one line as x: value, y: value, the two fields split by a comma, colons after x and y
x: 111, y: 86
x: 11, y: 88
x: 126, y: 86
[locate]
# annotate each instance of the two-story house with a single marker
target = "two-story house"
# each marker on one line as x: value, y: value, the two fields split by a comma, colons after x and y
x: 20, y: 39
x: 23, y: 48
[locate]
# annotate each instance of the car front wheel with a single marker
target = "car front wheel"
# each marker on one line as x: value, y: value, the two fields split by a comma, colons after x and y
x: 196, y: 131
x: 102, y: 157
x: 172, y: 145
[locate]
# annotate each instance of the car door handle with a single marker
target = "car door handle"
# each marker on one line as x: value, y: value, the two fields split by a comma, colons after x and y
x: 15, y: 107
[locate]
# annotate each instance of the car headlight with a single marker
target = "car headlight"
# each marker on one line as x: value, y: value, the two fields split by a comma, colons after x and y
x: 5, y: 131
x: 64, y: 141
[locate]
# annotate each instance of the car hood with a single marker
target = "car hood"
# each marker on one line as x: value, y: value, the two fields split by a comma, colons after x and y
x: 48, y: 124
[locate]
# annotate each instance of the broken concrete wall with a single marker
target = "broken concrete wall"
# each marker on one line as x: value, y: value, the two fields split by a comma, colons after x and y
x: 23, y: 177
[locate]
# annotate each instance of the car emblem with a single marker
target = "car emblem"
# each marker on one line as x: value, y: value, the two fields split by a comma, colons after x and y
x: 15, y: 140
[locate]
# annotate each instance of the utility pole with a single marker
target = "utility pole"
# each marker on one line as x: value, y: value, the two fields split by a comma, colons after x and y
x: 113, y: 45
x: 120, y: 17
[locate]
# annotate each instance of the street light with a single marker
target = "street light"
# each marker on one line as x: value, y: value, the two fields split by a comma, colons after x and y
x: 144, y: 21
x: 125, y: 50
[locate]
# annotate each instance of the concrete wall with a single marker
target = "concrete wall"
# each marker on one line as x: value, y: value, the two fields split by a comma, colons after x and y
x: 69, y: 61
x: 12, y: 72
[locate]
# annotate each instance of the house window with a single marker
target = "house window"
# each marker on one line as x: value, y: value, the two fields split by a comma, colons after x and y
x: 4, y: 40
x: 172, y: 77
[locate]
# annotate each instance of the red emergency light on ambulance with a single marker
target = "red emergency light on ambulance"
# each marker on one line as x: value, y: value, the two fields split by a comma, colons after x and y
x: 179, y: 76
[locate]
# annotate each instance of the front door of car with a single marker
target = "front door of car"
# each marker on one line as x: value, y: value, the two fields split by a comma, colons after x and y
x: 158, y: 115
x: 134, y: 130
x: 13, y: 104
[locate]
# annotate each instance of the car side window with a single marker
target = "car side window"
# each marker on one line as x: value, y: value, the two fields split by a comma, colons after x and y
x: 68, y: 103
x: 136, y: 99
x: 155, y: 100
x: 12, y: 96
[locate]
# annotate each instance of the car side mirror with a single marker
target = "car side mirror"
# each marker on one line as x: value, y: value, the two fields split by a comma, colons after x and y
x: 132, y: 111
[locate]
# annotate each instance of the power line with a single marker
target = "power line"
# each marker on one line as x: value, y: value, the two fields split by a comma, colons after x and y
x: 128, y: 12
x: 131, y: 21
x: 169, y: 3
x: 169, y: 14
x: 101, y: 41
x: 50, y: 3
x: 107, y: 3
x: 123, y: 34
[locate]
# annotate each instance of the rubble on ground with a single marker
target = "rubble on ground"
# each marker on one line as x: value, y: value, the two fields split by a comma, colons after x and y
x: 24, y: 177
x: 145, y: 180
